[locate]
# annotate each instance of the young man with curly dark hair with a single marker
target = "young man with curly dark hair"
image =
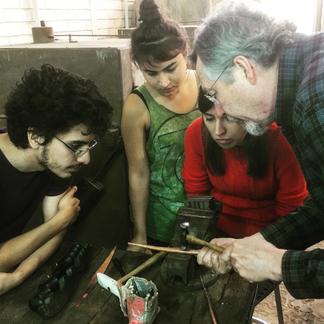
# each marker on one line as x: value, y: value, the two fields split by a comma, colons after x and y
x: 54, y: 118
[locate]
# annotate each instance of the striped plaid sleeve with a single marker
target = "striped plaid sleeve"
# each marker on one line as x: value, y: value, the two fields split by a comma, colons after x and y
x: 303, y: 273
x: 298, y: 230
x: 305, y: 226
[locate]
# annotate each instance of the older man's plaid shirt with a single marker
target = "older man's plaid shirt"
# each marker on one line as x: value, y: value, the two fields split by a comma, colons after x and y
x: 300, y: 112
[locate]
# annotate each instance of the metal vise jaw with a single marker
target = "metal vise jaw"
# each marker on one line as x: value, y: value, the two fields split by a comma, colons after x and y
x: 198, y: 218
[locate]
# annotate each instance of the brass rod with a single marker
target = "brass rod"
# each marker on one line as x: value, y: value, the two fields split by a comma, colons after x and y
x: 164, y: 249
x: 149, y: 262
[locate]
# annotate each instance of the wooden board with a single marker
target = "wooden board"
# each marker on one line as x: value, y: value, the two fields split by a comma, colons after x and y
x: 232, y: 297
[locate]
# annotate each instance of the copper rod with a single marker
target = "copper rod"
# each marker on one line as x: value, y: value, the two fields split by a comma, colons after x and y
x: 149, y: 262
x: 196, y: 240
x: 165, y: 249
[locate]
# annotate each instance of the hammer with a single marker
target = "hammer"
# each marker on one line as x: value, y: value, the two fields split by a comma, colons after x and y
x: 185, y: 237
x: 198, y: 241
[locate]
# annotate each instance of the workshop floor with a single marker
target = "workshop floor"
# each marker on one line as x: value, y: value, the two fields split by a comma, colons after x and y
x: 310, y: 311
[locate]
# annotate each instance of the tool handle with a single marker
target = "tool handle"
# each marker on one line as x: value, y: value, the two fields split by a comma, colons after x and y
x: 198, y: 241
x: 142, y: 267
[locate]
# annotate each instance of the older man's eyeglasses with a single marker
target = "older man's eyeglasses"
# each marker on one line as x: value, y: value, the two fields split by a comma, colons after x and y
x: 81, y: 150
x: 207, y: 99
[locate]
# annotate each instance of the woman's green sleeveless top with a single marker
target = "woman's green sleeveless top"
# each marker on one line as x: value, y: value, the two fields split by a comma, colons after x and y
x: 165, y: 150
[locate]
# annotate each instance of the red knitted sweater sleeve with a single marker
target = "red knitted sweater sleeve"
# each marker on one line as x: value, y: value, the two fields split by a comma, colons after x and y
x: 194, y: 173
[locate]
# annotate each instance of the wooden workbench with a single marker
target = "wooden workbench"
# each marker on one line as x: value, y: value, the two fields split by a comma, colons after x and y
x: 232, y: 297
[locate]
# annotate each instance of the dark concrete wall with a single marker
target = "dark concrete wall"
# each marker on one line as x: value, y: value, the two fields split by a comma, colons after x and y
x: 106, y: 63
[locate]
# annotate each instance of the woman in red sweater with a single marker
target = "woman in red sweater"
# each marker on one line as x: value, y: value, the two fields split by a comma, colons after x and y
x: 258, y: 179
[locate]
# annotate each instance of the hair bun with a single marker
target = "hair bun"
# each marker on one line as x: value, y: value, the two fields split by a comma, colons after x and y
x: 149, y: 12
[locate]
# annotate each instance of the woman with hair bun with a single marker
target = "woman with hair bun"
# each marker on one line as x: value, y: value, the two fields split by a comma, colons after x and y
x: 155, y: 117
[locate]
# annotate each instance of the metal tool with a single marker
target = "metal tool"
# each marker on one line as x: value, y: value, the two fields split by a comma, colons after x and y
x: 54, y: 293
x: 198, y: 241
x: 184, y: 231
x: 181, y: 271
x: 184, y: 239
x: 165, y: 249
x: 149, y: 262
x: 103, y: 267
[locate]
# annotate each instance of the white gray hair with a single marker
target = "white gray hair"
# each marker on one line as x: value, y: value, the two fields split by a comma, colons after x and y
x: 240, y: 28
x: 254, y: 129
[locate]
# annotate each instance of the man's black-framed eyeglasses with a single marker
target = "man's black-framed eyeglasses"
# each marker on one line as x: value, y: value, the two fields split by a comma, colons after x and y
x: 207, y: 99
x: 80, y: 151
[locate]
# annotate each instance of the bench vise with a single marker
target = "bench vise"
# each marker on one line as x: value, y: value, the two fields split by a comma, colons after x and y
x: 197, y: 218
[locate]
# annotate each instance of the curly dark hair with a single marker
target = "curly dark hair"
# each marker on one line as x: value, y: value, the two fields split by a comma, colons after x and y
x: 51, y: 101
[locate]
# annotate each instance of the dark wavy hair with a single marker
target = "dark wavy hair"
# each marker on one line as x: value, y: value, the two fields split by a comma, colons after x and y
x: 156, y: 39
x: 254, y: 149
x: 51, y: 101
